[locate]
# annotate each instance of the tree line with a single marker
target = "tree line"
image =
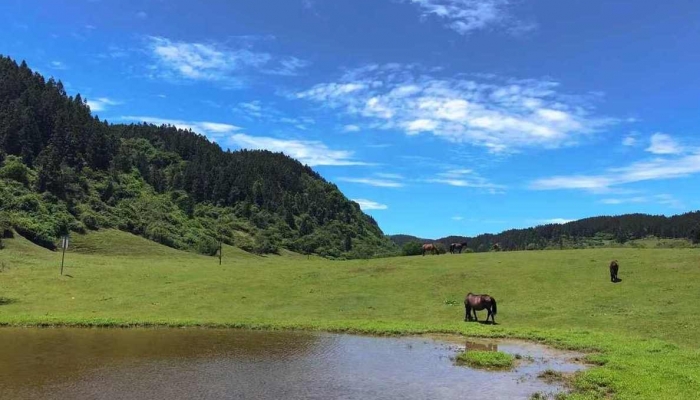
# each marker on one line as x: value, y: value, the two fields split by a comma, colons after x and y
x: 619, y: 229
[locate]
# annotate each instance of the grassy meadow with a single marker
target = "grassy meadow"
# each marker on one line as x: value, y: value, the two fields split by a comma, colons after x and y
x: 643, y: 333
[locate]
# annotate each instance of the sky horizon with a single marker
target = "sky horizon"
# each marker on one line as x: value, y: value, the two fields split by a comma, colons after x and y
x: 440, y: 117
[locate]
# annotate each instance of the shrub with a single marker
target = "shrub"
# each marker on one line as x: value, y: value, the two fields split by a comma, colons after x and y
x: 159, y: 232
x: 263, y: 245
x: 207, y: 245
x: 90, y: 220
x: 412, y: 249
x: 42, y: 234
x: 14, y: 169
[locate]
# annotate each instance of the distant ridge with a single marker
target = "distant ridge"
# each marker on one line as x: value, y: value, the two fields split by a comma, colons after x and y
x: 621, y: 229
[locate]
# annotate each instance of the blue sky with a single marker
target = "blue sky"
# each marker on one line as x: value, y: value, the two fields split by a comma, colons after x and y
x: 438, y: 116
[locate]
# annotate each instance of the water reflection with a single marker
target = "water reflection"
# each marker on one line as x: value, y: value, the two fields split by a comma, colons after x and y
x: 233, y: 364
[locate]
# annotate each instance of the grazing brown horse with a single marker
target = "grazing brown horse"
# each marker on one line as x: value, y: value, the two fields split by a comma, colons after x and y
x: 457, y: 247
x: 614, y: 267
x: 430, y: 248
x: 478, y: 302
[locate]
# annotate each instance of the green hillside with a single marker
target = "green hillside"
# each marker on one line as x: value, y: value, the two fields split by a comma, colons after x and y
x: 61, y: 169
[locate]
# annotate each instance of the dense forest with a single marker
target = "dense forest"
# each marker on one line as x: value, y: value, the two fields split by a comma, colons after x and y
x: 576, y: 234
x: 62, y: 170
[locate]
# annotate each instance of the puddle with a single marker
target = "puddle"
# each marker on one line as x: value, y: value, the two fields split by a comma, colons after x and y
x: 66, y: 363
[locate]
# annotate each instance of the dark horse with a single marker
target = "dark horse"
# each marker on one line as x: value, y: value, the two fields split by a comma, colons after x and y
x: 614, y: 267
x: 430, y: 248
x: 478, y: 302
x: 457, y: 247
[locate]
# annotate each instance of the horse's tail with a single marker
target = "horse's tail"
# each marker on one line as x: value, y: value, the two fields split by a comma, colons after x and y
x: 494, y: 307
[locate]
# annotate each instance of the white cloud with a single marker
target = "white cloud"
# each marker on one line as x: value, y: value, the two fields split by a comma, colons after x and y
x: 210, y: 129
x: 457, y: 218
x: 366, y: 205
x: 662, y: 143
x: 466, y: 16
x: 374, y: 181
x: 654, y: 169
x: 58, y: 65
x: 312, y: 153
x: 101, y: 103
x: 559, y: 221
x: 141, y: 15
x: 215, y: 62
x: 629, y: 140
x: 663, y: 199
x: 351, y: 128
x: 500, y: 114
x: 466, y: 178
x: 289, y: 66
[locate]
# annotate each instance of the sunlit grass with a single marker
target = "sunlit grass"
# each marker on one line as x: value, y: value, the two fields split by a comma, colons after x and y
x: 641, y: 333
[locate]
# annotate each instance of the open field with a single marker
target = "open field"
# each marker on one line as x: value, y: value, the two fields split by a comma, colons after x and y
x: 644, y: 330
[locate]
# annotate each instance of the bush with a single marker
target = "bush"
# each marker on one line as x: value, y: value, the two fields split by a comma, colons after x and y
x: 263, y: 245
x: 441, y: 248
x: 14, y: 169
x: 207, y: 245
x: 90, y: 221
x: 5, y: 226
x: 42, y: 234
x: 412, y: 249
x: 159, y: 232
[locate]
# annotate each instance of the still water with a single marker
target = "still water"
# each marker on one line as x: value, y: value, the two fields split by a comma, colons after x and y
x: 170, y: 364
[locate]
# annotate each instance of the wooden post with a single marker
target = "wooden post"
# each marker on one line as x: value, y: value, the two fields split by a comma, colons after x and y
x: 64, y: 244
x: 221, y: 249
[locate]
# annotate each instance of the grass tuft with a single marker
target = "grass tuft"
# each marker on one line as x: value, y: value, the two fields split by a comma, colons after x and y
x: 493, y: 360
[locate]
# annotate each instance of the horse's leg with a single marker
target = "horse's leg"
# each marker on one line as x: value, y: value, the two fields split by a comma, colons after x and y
x: 467, y: 312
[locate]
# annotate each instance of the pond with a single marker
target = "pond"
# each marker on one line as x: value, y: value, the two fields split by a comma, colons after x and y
x: 64, y: 363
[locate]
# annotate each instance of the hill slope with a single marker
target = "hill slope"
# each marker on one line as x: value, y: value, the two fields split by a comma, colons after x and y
x: 63, y: 169
x: 578, y: 233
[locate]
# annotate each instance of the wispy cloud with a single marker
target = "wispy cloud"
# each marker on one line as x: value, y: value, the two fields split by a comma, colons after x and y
x: 457, y: 218
x: 310, y: 152
x: 378, y: 180
x: 467, y: 16
x: 288, y: 66
x: 649, y: 170
x: 630, y: 140
x: 663, y: 199
x: 367, y: 205
x: 210, y: 129
x: 662, y: 143
x: 503, y: 115
x: 256, y: 110
x: 141, y: 15
x: 216, y: 62
x: 58, y: 65
x: 351, y: 128
x: 101, y: 103
x: 466, y: 178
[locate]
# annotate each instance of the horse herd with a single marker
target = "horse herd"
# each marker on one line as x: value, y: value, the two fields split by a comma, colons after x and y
x: 477, y: 302
x: 433, y: 249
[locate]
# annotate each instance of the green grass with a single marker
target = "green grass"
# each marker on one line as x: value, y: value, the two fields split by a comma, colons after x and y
x: 487, y: 359
x: 641, y: 333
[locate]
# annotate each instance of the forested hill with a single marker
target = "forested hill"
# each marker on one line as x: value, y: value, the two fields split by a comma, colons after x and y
x: 63, y: 169
x: 574, y: 234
